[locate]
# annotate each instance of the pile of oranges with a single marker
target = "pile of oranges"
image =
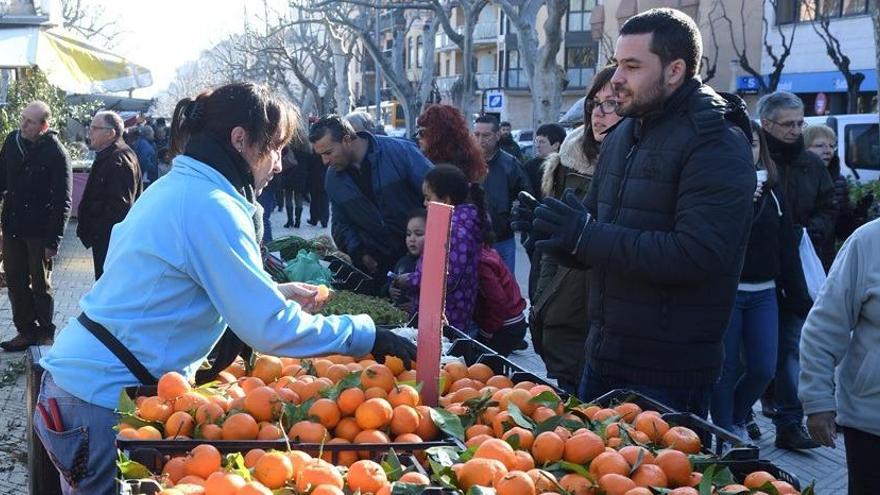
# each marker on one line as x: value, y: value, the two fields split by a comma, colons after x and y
x: 201, y: 472
x: 521, y: 438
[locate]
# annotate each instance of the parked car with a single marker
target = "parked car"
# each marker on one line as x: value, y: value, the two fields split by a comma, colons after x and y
x: 523, y: 138
x: 858, y: 143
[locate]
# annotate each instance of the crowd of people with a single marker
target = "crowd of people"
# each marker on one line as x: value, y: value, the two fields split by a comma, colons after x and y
x: 667, y: 237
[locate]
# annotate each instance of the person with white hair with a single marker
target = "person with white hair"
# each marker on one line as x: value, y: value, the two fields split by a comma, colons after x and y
x: 114, y: 184
x: 361, y: 122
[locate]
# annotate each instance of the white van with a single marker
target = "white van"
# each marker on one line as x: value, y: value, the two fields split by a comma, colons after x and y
x: 858, y: 143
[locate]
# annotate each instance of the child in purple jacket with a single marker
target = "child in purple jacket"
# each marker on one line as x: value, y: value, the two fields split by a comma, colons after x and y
x: 447, y: 184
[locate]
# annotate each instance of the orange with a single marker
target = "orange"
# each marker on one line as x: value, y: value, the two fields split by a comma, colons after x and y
x: 237, y: 368
x: 220, y: 483
x: 322, y: 366
x: 501, y: 423
x: 155, y: 409
x: 783, y: 487
x: 735, y: 488
x: 172, y: 385
x: 499, y: 381
x: 548, y: 447
x: 377, y: 375
x: 480, y: 372
x: 524, y: 461
x: 347, y: 428
x: 609, y: 462
x: 191, y: 480
x: 326, y: 411
x: 615, y: 484
x: 480, y: 471
x: 648, y: 475
x: 683, y: 439
x: 179, y: 424
x: 519, y: 397
x: 308, y: 432
x: 374, y: 414
x: 174, y: 469
x: 408, y: 438
x: 455, y: 370
x: 299, y: 459
x: 497, y: 449
x: 544, y: 481
x: 757, y: 479
x: 583, y: 448
x: 603, y: 414
x: 240, y: 426
x: 148, y: 433
x: 375, y: 393
x: 575, y: 484
x: 685, y: 490
x: 543, y: 413
x: 189, y: 402
x: 366, y: 476
x: 631, y: 454
x: 263, y: 403
x: 370, y: 436
x: 267, y: 368
x: 349, y: 400
x: 477, y: 440
x: 515, y: 483
x: 404, y: 419
x: 270, y: 431
x: 652, y: 425
x: 525, y: 385
x: 525, y: 437
x: 253, y: 488
x: 477, y: 429
x: 252, y: 456
x: 318, y: 472
x: 273, y: 470
x: 414, y: 478
x: 676, y: 466
x: 210, y: 431
x: 404, y: 395
x: 628, y: 411
x: 342, y: 457
x: 639, y: 490
x: 327, y: 490
x: 209, y: 413
x: 427, y: 429
x: 202, y: 460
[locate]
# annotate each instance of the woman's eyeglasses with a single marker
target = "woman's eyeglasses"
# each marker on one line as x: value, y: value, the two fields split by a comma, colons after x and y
x: 605, y: 107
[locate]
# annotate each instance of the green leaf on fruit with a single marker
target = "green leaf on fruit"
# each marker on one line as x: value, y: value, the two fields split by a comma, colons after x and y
x: 447, y: 422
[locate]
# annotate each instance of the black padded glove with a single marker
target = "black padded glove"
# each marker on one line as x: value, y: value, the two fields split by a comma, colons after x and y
x: 522, y: 215
x: 388, y: 343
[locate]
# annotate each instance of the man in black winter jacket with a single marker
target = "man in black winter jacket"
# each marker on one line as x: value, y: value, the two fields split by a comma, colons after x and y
x: 35, y: 175
x: 809, y: 192
x: 115, y: 182
x: 665, y: 223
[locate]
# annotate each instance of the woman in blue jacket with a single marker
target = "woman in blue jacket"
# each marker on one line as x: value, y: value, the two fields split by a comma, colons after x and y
x: 183, y: 265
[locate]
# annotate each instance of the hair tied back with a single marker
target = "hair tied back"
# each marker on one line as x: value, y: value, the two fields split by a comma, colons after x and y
x: 194, y: 112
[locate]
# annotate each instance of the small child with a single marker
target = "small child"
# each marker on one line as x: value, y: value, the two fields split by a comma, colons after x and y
x: 447, y: 184
x: 500, y: 306
x: 415, y: 244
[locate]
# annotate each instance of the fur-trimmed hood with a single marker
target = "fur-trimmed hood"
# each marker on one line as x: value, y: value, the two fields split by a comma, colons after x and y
x: 571, y: 155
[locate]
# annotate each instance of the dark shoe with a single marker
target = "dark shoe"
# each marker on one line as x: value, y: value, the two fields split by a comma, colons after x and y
x: 312, y: 222
x: 753, y: 430
x: 296, y: 224
x: 288, y: 225
x: 19, y: 343
x: 794, y: 438
x: 324, y: 225
x: 43, y: 340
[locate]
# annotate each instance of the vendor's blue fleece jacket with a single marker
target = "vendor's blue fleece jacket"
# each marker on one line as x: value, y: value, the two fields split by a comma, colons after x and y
x: 182, y: 266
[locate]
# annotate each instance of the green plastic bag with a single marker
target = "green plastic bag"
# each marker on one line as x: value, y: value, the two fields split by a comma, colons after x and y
x: 307, y: 267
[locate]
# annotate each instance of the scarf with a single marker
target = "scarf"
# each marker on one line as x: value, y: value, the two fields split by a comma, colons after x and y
x: 222, y: 157
x: 784, y: 154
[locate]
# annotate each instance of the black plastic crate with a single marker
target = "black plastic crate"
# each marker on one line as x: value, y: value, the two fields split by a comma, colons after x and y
x: 155, y: 458
x: 503, y: 366
x: 741, y: 469
x: 469, y: 350
x: 345, y: 275
x: 615, y: 397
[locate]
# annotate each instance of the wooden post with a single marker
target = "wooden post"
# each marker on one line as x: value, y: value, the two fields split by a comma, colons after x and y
x: 432, y: 300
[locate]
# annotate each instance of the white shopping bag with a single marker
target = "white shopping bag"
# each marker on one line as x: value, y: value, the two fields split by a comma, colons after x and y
x: 814, y: 273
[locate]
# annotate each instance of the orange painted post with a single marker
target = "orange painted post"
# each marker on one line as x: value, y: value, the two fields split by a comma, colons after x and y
x: 432, y: 300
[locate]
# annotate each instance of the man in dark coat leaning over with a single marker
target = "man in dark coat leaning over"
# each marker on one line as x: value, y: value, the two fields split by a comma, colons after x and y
x: 35, y: 176
x: 113, y: 186
x: 665, y: 224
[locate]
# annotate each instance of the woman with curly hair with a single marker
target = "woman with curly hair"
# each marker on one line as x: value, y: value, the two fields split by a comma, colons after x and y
x: 444, y: 138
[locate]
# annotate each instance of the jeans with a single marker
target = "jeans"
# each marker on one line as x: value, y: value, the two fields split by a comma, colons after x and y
x: 267, y: 201
x: 684, y: 399
x: 862, y: 451
x: 507, y: 251
x: 789, y: 411
x: 750, y: 349
x: 84, y: 452
x: 29, y: 284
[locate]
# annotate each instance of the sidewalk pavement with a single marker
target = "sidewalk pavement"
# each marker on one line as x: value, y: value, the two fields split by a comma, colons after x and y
x: 73, y: 276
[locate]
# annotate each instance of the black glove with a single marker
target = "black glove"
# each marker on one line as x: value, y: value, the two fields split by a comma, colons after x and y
x: 562, y: 223
x: 522, y: 215
x: 388, y: 343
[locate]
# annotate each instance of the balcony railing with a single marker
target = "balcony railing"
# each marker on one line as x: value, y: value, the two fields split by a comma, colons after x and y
x: 445, y: 83
x: 487, y: 80
x: 486, y: 31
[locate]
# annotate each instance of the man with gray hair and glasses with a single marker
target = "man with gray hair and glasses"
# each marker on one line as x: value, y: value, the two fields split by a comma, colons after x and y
x: 115, y: 182
x: 809, y: 193
x: 35, y: 181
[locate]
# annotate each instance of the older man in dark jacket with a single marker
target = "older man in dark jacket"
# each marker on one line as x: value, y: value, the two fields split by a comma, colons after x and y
x: 35, y: 175
x: 114, y: 184
x: 666, y: 221
x: 808, y: 188
x: 373, y: 183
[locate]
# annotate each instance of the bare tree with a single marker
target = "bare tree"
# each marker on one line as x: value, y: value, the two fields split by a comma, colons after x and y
x: 546, y: 76
x: 709, y: 60
x: 875, y: 18
x: 90, y: 21
x: 740, y: 46
x: 821, y: 23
